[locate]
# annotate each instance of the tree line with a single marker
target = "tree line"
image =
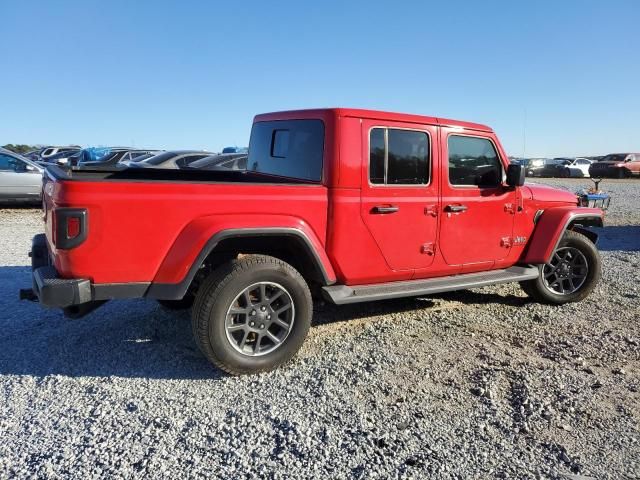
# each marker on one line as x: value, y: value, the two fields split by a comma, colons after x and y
x: 19, y: 148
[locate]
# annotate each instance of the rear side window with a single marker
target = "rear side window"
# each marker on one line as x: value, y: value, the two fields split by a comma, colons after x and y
x: 398, y: 157
x: 287, y: 148
x: 473, y: 161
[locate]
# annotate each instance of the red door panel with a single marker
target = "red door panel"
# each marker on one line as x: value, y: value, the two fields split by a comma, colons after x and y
x: 402, y: 219
x: 477, y: 222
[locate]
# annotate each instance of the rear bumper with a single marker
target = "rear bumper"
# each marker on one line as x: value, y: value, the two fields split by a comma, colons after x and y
x: 48, y: 287
x: 53, y: 291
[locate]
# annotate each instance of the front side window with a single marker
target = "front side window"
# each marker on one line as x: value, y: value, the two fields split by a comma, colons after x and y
x: 398, y: 157
x: 287, y: 148
x: 473, y: 161
x: 7, y: 163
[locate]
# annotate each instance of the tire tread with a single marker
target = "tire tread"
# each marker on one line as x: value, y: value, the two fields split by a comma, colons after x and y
x: 208, y: 293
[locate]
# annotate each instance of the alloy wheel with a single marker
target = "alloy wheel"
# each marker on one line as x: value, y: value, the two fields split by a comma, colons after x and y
x: 566, y: 272
x: 260, y: 319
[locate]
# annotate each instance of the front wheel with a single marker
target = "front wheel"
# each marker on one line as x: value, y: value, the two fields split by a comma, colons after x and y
x: 570, y: 276
x: 252, y: 314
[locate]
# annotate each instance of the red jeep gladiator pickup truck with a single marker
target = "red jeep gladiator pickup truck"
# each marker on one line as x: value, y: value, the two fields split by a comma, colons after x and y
x: 355, y: 205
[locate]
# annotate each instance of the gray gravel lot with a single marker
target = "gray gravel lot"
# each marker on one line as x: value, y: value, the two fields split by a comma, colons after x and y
x: 475, y: 384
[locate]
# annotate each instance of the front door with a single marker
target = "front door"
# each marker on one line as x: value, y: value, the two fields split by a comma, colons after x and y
x: 477, y: 208
x: 399, y: 196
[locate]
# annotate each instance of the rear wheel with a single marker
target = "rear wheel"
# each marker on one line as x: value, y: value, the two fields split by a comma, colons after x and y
x: 570, y: 276
x: 252, y: 314
x: 621, y: 173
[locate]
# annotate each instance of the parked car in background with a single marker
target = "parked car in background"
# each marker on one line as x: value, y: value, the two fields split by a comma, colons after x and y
x: 143, y: 157
x: 20, y: 178
x: 616, y: 165
x: 559, y: 167
x: 235, y: 150
x: 222, y: 161
x: 33, y: 155
x: 174, y: 159
x: 536, y: 166
x: 64, y: 157
x: 109, y: 157
x: 579, y: 167
x: 47, y: 152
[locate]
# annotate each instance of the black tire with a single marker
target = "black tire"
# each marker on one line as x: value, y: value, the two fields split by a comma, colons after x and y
x: 223, y: 288
x: 565, y: 173
x: 182, y: 304
x: 621, y: 173
x: 539, y: 291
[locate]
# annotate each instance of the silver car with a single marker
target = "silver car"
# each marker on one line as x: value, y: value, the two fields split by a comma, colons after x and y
x: 20, y: 178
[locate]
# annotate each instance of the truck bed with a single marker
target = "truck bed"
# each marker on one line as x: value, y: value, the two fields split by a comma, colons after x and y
x: 142, y: 219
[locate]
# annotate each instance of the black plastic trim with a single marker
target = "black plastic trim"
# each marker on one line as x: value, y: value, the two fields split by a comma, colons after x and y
x: 63, y: 215
x: 53, y: 291
x: 176, y: 291
x: 114, y: 291
x: 343, y: 294
x: 159, y: 175
x: 590, y: 234
x: 39, y: 252
x: 56, y: 292
x: 577, y: 219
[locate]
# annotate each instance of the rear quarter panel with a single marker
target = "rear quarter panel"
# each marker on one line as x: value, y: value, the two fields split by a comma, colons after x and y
x: 133, y: 225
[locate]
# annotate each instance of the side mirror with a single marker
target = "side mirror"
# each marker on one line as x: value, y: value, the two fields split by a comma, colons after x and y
x: 515, y: 175
x: 29, y: 168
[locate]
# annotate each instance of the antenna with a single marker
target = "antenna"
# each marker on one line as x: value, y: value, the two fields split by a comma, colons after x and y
x: 524, y: 133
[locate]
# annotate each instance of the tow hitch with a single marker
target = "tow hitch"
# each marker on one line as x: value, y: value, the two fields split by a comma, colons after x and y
x: 28, y: 294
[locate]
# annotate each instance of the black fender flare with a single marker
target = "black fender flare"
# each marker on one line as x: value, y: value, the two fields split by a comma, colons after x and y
x: 171, y: 291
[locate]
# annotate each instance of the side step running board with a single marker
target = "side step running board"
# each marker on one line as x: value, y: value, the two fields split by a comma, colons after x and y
x: 341, y: 294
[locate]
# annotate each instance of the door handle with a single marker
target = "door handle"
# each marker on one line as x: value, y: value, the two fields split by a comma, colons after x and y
x: 455, y: 208
x: 385, y: 209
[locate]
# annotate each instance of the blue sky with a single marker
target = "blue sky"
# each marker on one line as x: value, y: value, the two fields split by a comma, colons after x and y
x: 191, y: 74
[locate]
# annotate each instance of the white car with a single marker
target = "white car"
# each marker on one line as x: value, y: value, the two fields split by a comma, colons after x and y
x: 579, y: 167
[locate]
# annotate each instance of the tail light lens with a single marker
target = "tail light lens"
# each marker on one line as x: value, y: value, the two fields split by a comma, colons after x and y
x: 70, y: 227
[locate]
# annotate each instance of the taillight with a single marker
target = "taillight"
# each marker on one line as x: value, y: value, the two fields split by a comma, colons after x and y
x: 73, y: 227
x: 70, y: 227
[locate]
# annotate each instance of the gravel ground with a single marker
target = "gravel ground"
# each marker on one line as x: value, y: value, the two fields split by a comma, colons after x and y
x: 474, y: 384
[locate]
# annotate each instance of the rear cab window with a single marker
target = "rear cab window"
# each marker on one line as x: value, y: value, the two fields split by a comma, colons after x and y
x: 473, y: 161
x: 287, y: 148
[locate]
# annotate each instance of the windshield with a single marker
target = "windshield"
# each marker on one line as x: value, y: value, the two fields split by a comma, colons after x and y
x: 614, y: 157
x: 160, y: 158
x: 220, y: 160
x: 141, y: 157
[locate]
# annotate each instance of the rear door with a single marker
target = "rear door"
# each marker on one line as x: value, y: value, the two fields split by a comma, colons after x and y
x: 399, y: 195
x: 477, y: 208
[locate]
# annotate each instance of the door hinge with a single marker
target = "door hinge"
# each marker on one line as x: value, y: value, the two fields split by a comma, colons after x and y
x: 428, y: 249
x: 431, y: 210
x: 506, y: 242
x: 508, y: 207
